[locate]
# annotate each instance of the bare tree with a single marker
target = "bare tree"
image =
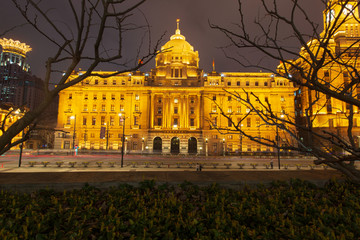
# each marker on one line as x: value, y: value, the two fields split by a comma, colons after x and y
x: 82, y: 40
x: 325, y: 71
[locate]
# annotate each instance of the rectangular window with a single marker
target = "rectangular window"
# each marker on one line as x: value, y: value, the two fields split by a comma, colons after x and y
x: 229, y: 109
x: 96, y: 82
x: 248, y: 122
x: 137, y: 98
x: 192, y: 122
x: 104, y: 96
x: 95, y: 97
x: 84, y: 120
x: 85, y: 107
x: 159, y: 111
x: 102, y: 120
x: 123, y: 82
x: 136, y: 120
x: 86, y: 96
x: 68, y: 120
x: 103, y: 107
x: 114, y: 82
x: 282, y: 99
x: 247, y: 83
x: 121, y: 108
x: 70, y: 95
x: 265, y: 84
x: 238, y: 109
x: 93, y: 121
x: 105, y: 82
x: 249, y: 148
x: 256, y: 84
x: 191, y: 110
x: 112, y: 96
x: 238, y: 83
x: 112, y: 121
x: 175, y: 122
x: 136, y: 107
x: 214, y: 98
x: 94, y: 108
x: 175, y: 110
x: 69, y: 107
x: 257, y: 122
x: 122, y: 97
x: 229, y: 98
x: 159, y: 100
x: 112, y: 107
x: 159, y: 121
x: 229, y: 123
x: 229, y: 83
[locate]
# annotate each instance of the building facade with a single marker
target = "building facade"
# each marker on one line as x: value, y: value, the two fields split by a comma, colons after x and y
x: 175, y: 108
x: 17, y: 85
x: 327, y: 113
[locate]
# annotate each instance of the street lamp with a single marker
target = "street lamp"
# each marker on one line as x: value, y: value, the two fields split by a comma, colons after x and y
x: 223, y: 146
x: 107, y: 135
x: 206, y: 147
x: 73, y: 143
x: 240, y: 138
x: 123, y: 137
x: 142, y: 145
x: 278, y: 139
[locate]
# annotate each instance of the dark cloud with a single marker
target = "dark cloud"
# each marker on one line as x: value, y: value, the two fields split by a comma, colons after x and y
x: 162, y: 15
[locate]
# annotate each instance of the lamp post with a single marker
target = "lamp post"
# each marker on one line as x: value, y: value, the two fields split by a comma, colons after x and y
x: 240, y: 138
x: 17, y: 112
x: 123, y: 138
x: 223, y: 146
x: 278, y: 140
x: 73, y: 143
x: 142, y: 145
x: 206, y: 147
x: 107, y: 135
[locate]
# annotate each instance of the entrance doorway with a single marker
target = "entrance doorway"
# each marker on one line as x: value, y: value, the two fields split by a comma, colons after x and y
x: 157, y: 145
x: 192, y: 145
x: 175, y: 145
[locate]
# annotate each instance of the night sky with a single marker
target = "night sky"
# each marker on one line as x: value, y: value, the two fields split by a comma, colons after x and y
x: 162, y: 15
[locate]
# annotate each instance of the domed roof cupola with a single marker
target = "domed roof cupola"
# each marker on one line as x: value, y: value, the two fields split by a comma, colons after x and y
x: 177, y: 50
x: 177, y: 64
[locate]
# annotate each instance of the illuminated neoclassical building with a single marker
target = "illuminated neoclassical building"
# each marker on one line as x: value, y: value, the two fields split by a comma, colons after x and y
x: 172, y: 109
x: 325, y: 112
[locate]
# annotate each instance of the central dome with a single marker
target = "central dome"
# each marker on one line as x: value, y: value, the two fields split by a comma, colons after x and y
x: 177, y: 51
x: 177, y: 42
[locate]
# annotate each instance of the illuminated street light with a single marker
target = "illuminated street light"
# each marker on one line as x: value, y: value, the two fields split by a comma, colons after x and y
x: 123, y: 136
x: 74, y: 132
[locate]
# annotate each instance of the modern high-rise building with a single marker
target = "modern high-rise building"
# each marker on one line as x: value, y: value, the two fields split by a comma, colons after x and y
x: 17, y: 85
x: 174, y: 108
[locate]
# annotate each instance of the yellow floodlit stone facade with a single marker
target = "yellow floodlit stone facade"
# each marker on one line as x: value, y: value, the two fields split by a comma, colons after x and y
x: 9, y: 115
x: 328, y: 113
x: 172, y: 109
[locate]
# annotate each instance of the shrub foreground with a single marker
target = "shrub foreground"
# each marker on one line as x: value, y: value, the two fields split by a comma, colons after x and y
x: 295, y: 210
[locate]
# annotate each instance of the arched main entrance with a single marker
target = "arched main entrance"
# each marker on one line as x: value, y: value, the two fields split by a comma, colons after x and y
x: 157, y: 145
x: 175, y: 145
x: 192, y: 145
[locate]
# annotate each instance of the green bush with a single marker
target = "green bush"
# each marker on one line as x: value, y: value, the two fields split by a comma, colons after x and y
x: 294, y: 210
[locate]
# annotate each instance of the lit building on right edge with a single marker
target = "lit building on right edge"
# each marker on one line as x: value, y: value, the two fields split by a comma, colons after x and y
x: 332, y: 59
